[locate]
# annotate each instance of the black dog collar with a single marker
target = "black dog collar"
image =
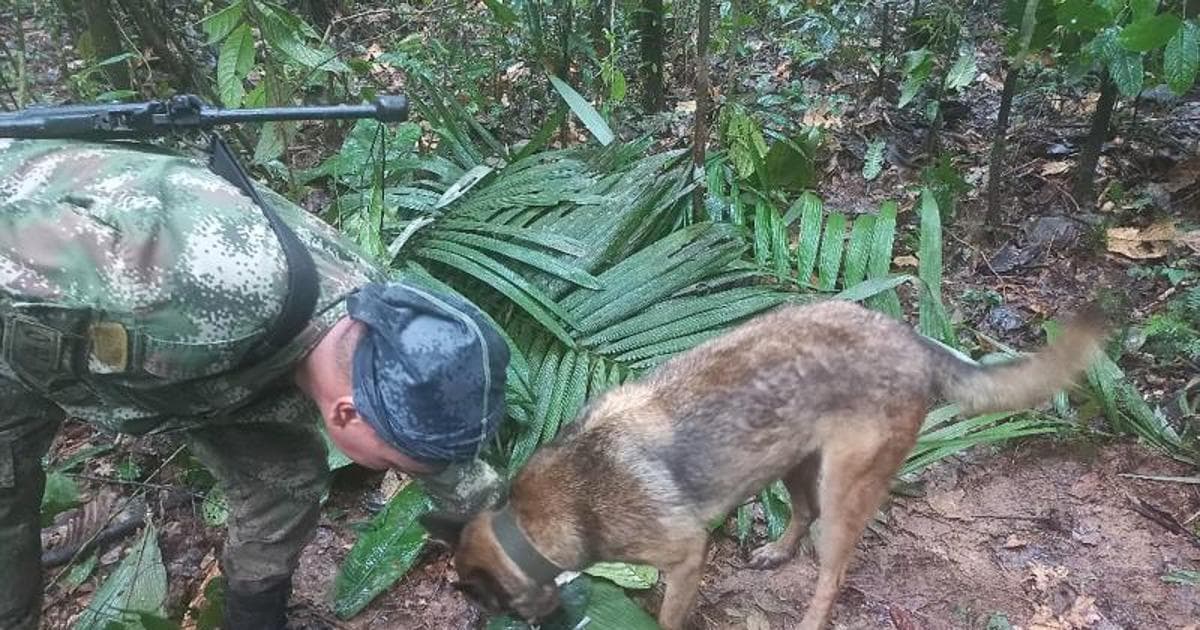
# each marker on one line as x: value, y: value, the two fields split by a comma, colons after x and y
x: 516, y: 545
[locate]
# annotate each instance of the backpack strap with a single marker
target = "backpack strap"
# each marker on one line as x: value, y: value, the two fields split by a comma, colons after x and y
x: 302, y: 285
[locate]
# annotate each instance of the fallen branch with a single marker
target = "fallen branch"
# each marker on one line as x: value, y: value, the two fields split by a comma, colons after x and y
x: 129, y: 519
x: 1163, y: 518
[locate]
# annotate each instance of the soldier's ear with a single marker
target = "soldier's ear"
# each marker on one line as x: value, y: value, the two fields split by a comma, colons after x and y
x: 444, y: 527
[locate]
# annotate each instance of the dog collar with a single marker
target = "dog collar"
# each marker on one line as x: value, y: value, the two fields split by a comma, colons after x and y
x: 516, y: 545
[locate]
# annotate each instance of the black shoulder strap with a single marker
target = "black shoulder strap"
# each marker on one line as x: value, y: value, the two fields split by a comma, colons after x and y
x: 302, y: 286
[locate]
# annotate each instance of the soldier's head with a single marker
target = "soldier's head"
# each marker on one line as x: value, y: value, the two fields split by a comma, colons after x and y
x: 411, y: 379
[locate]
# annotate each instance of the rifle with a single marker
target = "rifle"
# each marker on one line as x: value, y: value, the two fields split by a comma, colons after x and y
x: 184, y: 112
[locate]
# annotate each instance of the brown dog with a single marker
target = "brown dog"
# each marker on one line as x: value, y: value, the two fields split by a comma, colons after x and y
x: 827, y: 397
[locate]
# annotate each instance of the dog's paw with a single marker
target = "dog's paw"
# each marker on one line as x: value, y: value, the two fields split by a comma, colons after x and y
x: 770, y: 556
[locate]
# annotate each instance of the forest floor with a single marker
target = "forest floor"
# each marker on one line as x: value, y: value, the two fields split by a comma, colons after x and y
x: 1047, y: 533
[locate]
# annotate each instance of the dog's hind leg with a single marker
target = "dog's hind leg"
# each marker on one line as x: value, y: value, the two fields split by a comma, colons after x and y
x: 801, y: 482
x: 682, y: 578
x: 855, y: 476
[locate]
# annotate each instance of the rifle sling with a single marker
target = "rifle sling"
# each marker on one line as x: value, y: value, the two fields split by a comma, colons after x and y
x: 302, y: 285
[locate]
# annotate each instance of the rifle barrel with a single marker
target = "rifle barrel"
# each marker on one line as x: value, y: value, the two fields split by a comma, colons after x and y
x: 151, y: 119
x: 386, y: 109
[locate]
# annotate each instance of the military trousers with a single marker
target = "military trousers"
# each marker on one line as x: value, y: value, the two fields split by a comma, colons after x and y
x: 274, y: 476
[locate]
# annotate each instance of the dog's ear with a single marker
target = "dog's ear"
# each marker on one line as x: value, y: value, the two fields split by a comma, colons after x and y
x: 443, y: 527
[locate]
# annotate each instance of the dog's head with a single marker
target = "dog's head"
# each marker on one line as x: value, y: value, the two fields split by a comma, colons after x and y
x: 487, y: 576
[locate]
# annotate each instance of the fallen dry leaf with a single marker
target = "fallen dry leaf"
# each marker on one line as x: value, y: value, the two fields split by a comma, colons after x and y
x: 906, y: 261
x: 1081, y: 615
x: 211, y: 569
x: 757, y: 621
x: 1046, y: 577
x: 1192, y: 240
x: 819, y: 116
x: 1055, y: 168
x: 688, y: 107
x: 902, y: 619
x: 1142, y: 243
x: 1015, y: 542
x: 1183, y: 174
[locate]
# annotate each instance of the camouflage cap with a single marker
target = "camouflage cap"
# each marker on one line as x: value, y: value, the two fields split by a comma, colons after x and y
x: 429, y: 371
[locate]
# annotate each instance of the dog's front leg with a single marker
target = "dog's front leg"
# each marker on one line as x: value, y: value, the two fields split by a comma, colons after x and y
x: 683, y: 583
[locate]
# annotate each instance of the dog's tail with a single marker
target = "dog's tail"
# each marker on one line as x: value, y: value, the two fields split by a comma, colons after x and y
x: 1025, y: 381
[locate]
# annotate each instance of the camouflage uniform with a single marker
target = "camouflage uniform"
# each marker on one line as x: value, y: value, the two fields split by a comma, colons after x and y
x: 131, y: 282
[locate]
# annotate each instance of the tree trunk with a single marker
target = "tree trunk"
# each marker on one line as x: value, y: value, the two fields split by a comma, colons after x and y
x: 731, y: 80
x: 999, y: 148
x: 320, y: 12
x: 1085, y: 189
x: 885, y: 47
x: 700, y: 139
x: 650, y: 28
x: 157, y: 33
x: 106, y: 41
x: 599, y: 22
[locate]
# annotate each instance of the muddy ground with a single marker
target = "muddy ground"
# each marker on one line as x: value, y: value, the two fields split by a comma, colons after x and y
x: 1040, y: 536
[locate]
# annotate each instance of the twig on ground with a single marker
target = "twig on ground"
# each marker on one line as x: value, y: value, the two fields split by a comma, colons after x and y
x: 1163, y: 518
x: 119, y: 510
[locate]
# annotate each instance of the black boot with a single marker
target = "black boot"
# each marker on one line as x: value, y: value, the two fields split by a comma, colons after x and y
x: 257, y: 605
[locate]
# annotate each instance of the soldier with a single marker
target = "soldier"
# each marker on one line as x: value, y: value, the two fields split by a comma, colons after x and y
x: 133, y: 285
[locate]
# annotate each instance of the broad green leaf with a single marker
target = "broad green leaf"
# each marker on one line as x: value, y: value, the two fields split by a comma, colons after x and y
x: 930, y: 451
x: 780, y: 255
x: 743, y: 523
x: 1182, y: 576
x: 584, y: 110
x: 789, y: 166
x: 1181, y: 59
x: 811, y: 217
x: 280, y: 30
x: 933, y: 320
x: 963, y: 72
x: 61, y: 494
x: 138, y: 585
x: 832, y: 244
x: 873, y: 162
x: 220, y: 24
x: 512, y: 285
x: 632, y: 576
x: 880, y: 261
x: 81, y: 571
x: 858, y: 250
x: 233, y: 63
x: 775, y: 510
x: 544, y: 389
x: 1149, y: 33
x: 1124, y: 66
x: 215, y: 508
x: 271, y: 142
x: 543, y: 238
x: 872, y: 287
x: 743, y: 138
x: 532, y: 257
x: 464, y: 183
x: 1143, y: 8
x: 1082, y: 16
x: 588, y: 604
x: 917, y: 66
x: 384, y: 552
x: 762, y: 234
x: 501, y: 11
